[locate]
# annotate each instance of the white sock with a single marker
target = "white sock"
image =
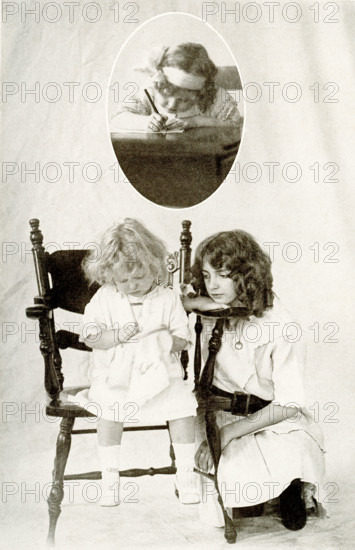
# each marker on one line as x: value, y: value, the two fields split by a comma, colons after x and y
x: 185, y: 456
x: 109, y: 457
x: 110, y: 477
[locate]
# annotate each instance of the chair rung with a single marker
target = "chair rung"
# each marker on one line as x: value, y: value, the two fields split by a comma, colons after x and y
x: 132, y: 472
x: 86, y: 475
x: 131, y: 429
x: 78, y: 432
x: 137, y: 472
x: 205, y: 474
x: 142, y: 428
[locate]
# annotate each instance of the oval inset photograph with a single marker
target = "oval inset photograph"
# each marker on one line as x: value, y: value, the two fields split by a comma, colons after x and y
x: 174, y: 112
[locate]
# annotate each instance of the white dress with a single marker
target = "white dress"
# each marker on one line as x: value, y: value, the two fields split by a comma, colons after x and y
x: 122, y: 391
x: 258, y: 467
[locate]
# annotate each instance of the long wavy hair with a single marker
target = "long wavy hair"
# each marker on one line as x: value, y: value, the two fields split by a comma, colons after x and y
x: 249, y: 267
x: 191, y: 58
x: 125, y: 249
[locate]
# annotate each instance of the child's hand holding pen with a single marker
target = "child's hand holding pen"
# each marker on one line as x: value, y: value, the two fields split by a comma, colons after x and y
x: 156, y: 122
x: 159, y: 123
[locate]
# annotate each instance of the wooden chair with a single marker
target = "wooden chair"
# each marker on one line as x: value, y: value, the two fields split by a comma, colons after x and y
x: 61, y: 284
x: 228, y: 78
x: 210, y: 401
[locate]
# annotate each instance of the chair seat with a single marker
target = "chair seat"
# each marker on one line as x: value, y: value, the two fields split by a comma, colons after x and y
x: 65, y: 407
x: 72, y: 404
x: 66, y: 410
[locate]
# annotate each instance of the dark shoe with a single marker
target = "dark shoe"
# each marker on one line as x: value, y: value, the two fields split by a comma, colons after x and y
x: 292, y: 507
x: 248, y: 511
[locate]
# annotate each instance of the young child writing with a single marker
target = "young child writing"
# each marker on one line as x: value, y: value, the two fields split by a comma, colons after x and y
x: 137, y: 327
x: 183, y: 90
x: 278, y: 449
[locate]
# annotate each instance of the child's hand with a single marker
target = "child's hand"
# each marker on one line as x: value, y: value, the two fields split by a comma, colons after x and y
x: 156, y: 123
x: 203, y: 458
x: 200, y: 121
x: 175, y: 124
x: 127, y: 332
x: 154, y: 347
x: 189, y: 122
x: 187, y: 290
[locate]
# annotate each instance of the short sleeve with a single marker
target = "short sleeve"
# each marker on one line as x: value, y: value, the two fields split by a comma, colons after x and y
x: 287, y: 376
x: 94, y: 316
x: 178, y: 322
x: 225, y: 108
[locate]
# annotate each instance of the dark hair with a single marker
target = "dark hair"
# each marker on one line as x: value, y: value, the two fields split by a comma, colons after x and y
x: 249, y: 267
x: 193, y: 58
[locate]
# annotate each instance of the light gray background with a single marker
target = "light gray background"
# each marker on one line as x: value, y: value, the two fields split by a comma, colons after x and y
x: 305, y: 212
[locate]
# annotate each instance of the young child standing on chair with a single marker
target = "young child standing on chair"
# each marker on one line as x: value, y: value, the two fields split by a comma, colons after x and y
x: 137, y: 327
x: 183, y: 90
x: 278, y: 450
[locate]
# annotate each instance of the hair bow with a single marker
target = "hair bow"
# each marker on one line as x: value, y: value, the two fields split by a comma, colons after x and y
x: 155, y: 58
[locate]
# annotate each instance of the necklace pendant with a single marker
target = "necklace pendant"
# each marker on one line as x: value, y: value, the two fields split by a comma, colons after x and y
x: 238, y: 345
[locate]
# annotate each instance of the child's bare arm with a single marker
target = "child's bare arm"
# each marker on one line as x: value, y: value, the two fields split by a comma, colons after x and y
x: 201, y: 121
x: 268, y: 416
x: 105, y: 339
x: 202, y: 303
x: 108, y: 338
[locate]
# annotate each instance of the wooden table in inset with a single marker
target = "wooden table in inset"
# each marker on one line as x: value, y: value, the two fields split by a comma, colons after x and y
x: 177, y: 170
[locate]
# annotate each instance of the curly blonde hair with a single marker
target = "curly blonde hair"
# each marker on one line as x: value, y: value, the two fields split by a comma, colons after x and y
x: 126, y: 248
x: 249, y: 267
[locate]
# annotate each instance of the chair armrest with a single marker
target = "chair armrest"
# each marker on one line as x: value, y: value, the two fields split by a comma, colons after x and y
x: 67, y: 339
x: 223, y: 313
x: 37, y: 312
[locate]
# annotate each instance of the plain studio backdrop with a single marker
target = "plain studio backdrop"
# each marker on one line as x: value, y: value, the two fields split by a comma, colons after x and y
x: 291, y: 187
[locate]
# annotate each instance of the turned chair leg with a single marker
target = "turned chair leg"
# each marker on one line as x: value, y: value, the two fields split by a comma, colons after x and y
x: 214, y: 443
x: 57, y: 491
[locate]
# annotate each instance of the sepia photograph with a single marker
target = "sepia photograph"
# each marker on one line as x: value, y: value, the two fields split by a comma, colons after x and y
x: 177, y: 292
x: 176, y: 128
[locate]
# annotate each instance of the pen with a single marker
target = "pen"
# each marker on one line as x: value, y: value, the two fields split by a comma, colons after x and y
x: 152, y: 104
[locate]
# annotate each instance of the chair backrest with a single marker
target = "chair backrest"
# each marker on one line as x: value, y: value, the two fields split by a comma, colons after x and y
x: 62, y: 284
x: 228, y: 78
x: 70, y: 289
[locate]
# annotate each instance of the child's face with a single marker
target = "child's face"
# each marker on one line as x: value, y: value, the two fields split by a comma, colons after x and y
x: 218, y: 284
x: 176, y: 100
x: 136, y: 284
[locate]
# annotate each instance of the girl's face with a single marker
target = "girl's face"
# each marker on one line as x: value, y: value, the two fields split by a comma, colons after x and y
x: 218, y: 284
x: 176, y: 100
x: 136, y: 284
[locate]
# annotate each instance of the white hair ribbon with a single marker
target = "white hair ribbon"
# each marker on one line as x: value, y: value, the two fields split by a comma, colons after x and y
x: 182, y: 79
